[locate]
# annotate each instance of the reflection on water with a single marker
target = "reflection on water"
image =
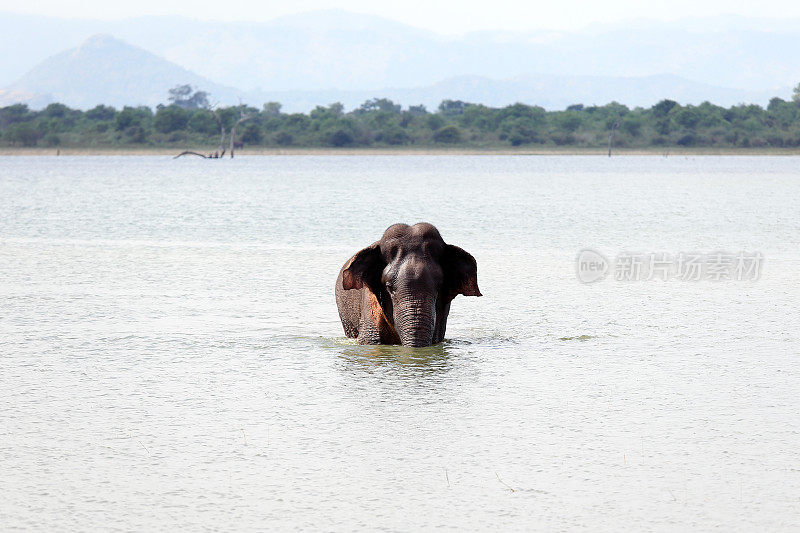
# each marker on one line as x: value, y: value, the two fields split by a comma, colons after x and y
x: 576, y: 338
x: 409, y: 361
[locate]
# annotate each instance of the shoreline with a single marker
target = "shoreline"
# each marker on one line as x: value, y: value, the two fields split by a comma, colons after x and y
x: 405, y: 151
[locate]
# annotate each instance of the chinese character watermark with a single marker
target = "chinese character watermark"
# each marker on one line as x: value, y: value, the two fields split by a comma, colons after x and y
x: 592, y: 266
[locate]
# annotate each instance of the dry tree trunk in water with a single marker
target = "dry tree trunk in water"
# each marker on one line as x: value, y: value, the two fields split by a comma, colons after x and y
x: 233, y: 129
x: 221, y: 150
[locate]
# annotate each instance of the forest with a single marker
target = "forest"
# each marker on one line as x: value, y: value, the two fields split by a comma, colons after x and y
x: 188, y: 121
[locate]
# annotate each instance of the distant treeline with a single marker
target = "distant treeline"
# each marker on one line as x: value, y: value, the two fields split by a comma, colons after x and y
x: 381, y: 123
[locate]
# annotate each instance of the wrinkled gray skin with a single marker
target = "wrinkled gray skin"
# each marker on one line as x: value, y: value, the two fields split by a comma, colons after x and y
x: 398, y: 290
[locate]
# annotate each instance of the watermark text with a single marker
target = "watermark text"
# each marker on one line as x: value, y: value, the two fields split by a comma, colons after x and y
x: 592, y: 266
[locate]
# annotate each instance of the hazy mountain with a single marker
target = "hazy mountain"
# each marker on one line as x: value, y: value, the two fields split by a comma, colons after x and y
x: 104, y: 70
x: 338, y: 50
x: 321, y: 57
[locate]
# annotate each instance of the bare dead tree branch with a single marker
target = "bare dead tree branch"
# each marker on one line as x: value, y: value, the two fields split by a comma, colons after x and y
x: 222, y: 149
x: 242, y: 118
x: 189, y: 152
x: 218, y: 118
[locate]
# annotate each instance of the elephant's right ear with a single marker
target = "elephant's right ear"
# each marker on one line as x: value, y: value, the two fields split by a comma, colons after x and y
x: 365, y: 267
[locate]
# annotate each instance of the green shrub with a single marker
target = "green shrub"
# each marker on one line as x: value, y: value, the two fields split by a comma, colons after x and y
x: 252, y: 134
x: 448, y: 134
x: 284, y: 139
x: 340, y: 138
x: 52, y: 140
x: 393, y: 135
x: 23, y: 133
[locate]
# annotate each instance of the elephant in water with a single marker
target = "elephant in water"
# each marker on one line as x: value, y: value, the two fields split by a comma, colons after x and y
x: 398, y: 290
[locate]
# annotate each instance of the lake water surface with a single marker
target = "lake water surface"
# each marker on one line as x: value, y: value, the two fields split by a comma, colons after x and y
x: 171, y: 357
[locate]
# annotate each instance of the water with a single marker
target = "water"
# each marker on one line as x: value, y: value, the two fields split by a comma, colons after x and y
x: 171, y: 356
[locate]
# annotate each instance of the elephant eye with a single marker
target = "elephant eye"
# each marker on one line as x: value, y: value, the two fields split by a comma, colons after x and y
x: 390, y: 286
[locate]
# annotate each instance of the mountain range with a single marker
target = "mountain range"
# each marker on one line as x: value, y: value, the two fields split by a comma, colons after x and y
x: 104, y: 70
x: 320, y: 57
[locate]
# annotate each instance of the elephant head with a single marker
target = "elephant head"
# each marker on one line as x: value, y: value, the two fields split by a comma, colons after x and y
x: 414, y: 276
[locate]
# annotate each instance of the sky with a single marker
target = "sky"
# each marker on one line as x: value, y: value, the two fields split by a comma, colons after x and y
x: 450, y: 17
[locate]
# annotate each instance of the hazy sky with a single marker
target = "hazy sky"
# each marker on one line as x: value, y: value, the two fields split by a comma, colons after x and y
x: 447, y: 16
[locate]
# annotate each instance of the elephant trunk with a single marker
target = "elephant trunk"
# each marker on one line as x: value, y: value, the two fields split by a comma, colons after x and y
x: 415, y: 321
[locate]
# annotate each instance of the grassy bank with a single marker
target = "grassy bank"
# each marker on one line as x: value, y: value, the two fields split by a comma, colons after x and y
x: 528, y: 150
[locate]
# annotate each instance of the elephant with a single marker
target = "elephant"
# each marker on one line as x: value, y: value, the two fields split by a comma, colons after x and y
x: 398, y: 290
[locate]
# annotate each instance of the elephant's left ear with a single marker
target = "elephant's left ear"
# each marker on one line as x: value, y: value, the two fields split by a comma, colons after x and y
x: 460, y: 272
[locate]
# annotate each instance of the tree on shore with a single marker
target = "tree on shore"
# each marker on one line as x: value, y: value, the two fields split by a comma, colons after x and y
x: 383, y: 123
x: 185, y: 97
